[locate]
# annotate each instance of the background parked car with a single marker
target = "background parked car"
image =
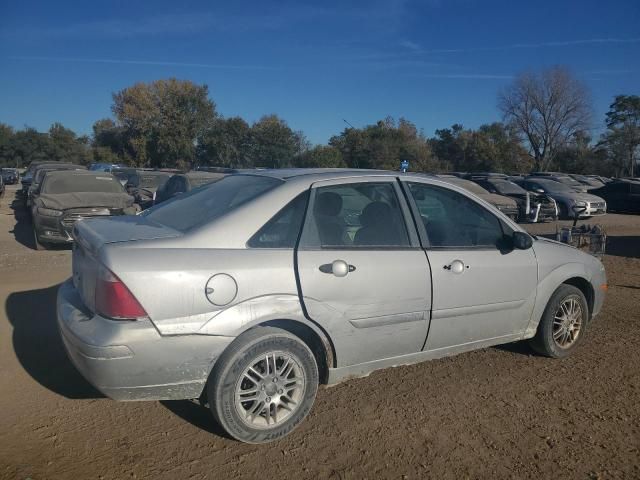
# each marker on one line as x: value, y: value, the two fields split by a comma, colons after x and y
x: 532, y: 207
x: 123, y: 174
x: 66, y: 197
x: 142, y: 185
x: 104, y: 167
x: 39, y: 174
x: 185, y: 182
x: 506, y: 205
x: 621, y: 195
x: 566, y: 197
x: 27, y: 178
x: 589, y: 182
x: 1, y: 187
x: 561, y: 178
x: 10, y: 176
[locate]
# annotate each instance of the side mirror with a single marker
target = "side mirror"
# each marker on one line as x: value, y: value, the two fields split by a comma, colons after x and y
x: 521, y: 241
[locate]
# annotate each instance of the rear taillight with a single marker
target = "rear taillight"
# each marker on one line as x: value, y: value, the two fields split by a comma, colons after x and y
x: 113, y: 298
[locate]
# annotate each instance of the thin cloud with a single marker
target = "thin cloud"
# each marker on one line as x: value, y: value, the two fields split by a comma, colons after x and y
x: 142, y: 62
x: 468, y: 76
x: 517, y: 46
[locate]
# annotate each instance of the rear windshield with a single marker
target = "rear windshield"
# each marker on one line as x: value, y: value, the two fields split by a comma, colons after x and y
x: 81, y: 183
x: 205, y: 204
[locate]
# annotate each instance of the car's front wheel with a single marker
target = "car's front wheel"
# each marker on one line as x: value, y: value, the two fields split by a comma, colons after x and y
x: 563, y: 323
x: 263, y: 385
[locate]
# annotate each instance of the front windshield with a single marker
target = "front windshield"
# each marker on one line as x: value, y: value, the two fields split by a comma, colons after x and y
x: 209, y: 202
x: 505, y: 187
x: 71, y: 183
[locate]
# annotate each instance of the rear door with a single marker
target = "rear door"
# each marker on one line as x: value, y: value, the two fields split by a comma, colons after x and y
x: 362, y: 273
x: 483, y: 290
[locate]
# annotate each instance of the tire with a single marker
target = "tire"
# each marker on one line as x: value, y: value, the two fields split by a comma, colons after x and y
x: 558, y: 335
x: 39, y: 245
x: 250, y: 420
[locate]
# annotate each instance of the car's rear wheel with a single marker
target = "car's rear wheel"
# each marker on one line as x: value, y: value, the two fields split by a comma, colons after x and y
x: 263, y: 385
x: 563, y: 323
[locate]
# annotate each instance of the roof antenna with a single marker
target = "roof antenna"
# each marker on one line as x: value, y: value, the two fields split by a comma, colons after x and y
x: 345, y: 121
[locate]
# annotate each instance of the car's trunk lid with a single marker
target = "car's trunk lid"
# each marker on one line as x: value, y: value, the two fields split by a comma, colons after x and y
x: 92, y: 234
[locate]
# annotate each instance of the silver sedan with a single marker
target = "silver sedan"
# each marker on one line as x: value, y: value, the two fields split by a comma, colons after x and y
x: 249, y: 293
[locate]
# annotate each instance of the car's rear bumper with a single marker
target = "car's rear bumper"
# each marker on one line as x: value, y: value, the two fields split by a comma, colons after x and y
x: 130, y: 360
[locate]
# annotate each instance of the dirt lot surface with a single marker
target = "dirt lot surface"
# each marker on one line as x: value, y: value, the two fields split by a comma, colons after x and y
x: 495, y: 413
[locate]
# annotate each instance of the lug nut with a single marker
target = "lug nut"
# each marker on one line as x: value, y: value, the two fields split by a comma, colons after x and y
x: 280, y: 392
x: 268, y: 399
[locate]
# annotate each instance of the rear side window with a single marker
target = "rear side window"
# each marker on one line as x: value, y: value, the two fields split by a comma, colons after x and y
x: 452, y: 220
x: 209, y: 202
x: 283, y: 229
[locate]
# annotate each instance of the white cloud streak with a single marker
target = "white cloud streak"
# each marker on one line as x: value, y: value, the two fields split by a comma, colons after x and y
x: 141, y: 62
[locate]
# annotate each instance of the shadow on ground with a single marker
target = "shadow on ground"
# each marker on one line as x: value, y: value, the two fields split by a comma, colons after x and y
x: 196, y: 414
x: 38, y: 346
x: 22, y: 230
x: 623, y: 246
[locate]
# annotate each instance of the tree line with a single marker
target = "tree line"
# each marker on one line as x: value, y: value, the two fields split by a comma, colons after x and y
x: 174, y: 124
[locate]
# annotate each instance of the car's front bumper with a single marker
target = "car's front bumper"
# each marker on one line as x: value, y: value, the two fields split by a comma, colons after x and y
x: 130, y: 360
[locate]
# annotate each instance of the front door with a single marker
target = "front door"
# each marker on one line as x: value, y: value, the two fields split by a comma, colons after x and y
x: 483, y: 290
x: 362, y: 273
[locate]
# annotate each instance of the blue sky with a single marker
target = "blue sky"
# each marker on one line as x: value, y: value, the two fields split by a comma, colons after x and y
x: 434, y: 62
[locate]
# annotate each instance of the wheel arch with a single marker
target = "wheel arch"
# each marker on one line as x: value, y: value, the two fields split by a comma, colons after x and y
x: 585, y: 287
x: 317, y: 340
x: 573, y: 274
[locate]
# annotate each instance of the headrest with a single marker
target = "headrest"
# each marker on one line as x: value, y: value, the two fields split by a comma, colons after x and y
x: 328, y: 204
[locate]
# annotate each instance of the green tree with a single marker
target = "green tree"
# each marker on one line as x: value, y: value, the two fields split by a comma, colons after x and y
x: 321, y: 156
x: 227, y: 143
x: 623, y: 134
x: 384, y: 145
x: 163, y: 121
x: 28, y: 145
x: 66, y: 146
x: 6, y: 137
x: 273, y: 143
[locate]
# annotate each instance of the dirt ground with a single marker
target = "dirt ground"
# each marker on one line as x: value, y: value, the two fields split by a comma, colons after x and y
x: 496, y: 413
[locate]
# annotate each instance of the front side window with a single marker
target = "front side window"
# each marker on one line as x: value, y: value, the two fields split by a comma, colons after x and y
x: 358, y: 215
x: 452, y: 220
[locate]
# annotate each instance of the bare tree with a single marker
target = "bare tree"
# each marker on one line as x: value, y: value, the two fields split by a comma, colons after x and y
x: 549, y: 108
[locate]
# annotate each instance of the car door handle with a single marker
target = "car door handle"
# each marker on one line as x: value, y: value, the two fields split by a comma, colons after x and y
x: 339, y: 268
x: 457, y: 266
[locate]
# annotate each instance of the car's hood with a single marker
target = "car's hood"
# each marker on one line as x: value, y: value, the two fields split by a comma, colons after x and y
x: 501, y: 200
x: 64, y: 201
x: 576, y: 197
